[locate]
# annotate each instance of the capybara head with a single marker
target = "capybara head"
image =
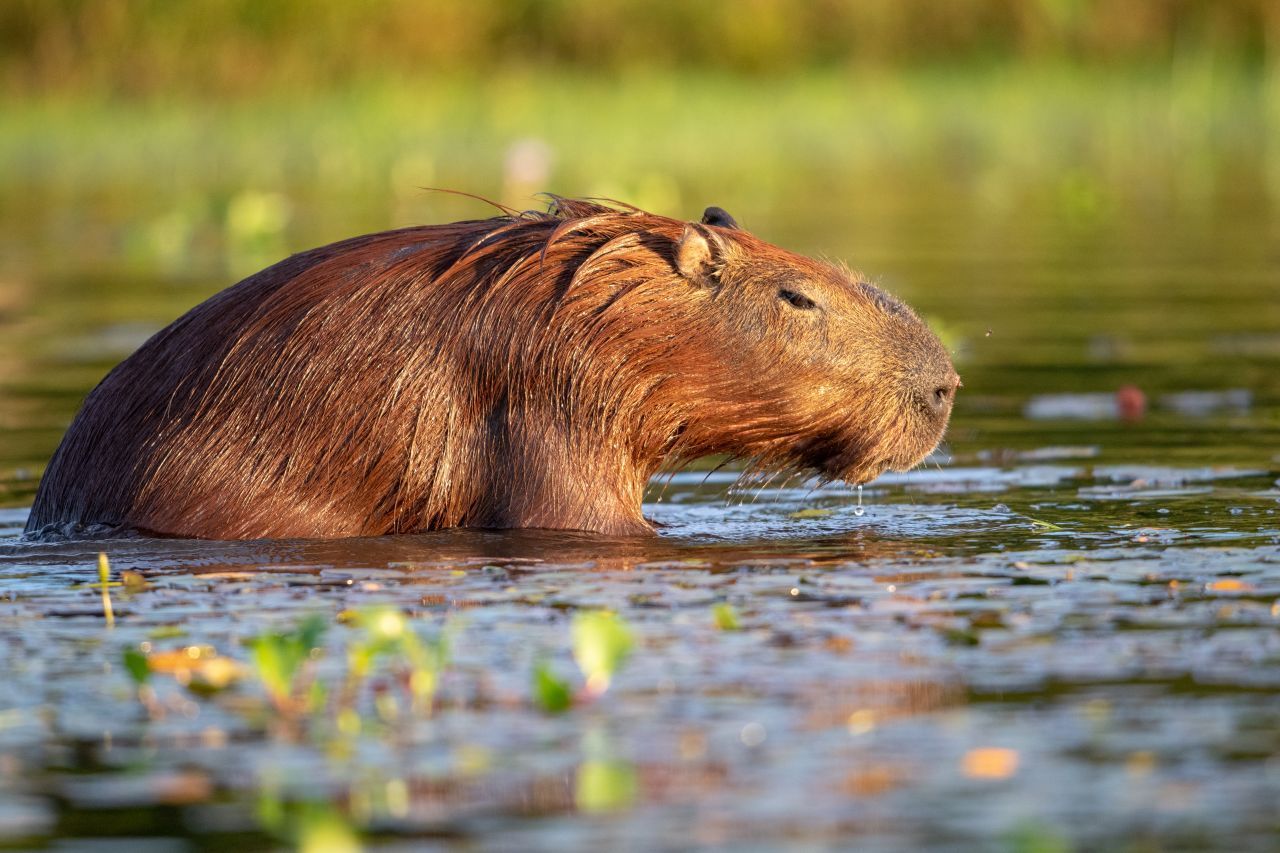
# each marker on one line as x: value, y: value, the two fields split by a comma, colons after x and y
x: 822, y: 370
x: 530, y: 370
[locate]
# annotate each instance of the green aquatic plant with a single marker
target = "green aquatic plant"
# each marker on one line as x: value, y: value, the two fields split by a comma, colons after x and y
x: 1031, y: 836
x: 605, y: 785
x: 551, y: 693
x: 310, y: 827
x: 602, y: 641
x: 135, y: 663
x: 280, y: 662
x: 138, y: 666
x: 323, y: 829
x: 725, y: 617
x: 104, y: 582
x: 385, y: 634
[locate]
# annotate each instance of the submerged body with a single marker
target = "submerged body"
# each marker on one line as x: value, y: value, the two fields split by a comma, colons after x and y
x: 531, y: 370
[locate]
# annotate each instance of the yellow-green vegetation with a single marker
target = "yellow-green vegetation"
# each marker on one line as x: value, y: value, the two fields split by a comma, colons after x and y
x: 323, y: 830
x: 551, y: 693
x: 605, y: 785
x: 230, y: 47
x: 238, y: 132
x: 1079, y: 141
x: 104, y: 581
x: 386, y: 656
x: 725, y: 617
x: 308, y: 827
x: 135, y: 663
x: 605, y: 782
x: 281, y: 661
x: 384, y: 650
x: 602, y: 641
x: 389, y: 635
x: 233, y: 125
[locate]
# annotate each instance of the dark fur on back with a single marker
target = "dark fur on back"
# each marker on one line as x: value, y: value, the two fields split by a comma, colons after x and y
x: 530, y: 370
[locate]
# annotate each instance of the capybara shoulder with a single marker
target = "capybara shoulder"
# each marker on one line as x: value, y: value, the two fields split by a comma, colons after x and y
x: 530, y: 370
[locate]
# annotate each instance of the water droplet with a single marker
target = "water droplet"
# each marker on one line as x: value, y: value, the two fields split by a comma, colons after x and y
x: 859, y: 510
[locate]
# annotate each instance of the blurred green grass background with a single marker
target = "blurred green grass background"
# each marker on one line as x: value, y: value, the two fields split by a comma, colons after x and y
x: 157, y: 118
x: 240, y: 47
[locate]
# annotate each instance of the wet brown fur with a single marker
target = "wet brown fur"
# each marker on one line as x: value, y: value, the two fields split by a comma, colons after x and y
x: 530, y: 370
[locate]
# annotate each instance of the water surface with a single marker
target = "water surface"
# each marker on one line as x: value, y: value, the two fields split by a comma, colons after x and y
x: 1063, y: 631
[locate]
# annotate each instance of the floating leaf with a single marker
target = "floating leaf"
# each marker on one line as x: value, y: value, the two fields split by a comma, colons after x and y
x: 810, y: 513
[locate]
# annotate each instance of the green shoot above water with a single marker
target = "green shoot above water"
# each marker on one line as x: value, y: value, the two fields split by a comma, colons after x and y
x: 551, y: 693
x: 726, y: 617
x: 601, y: 642
x: 280, y: 659
x: 104, y: 579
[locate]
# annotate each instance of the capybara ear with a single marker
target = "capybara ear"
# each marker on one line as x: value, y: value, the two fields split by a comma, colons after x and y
x: 718, y: 216
x: 699, y: 255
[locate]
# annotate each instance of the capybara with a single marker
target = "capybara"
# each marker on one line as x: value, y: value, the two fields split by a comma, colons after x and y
x: 530, y: 370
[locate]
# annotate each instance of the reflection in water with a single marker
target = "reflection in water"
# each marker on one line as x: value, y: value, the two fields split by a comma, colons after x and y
x: 518, y: 551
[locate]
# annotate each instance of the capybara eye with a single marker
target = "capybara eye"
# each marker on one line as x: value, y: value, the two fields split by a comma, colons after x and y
x: 797, y: 300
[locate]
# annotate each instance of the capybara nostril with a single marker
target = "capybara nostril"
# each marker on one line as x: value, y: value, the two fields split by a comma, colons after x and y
x: 945, y: 393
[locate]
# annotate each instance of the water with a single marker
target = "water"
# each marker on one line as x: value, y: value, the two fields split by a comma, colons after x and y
x: 1062, y: 631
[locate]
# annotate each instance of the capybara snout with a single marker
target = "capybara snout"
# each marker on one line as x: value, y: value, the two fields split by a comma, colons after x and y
x: 530, y: 370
